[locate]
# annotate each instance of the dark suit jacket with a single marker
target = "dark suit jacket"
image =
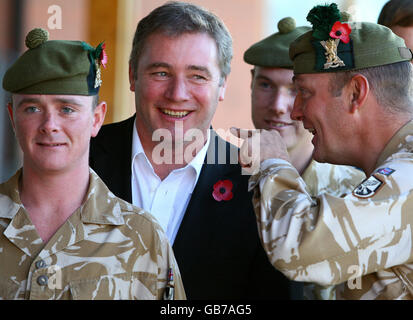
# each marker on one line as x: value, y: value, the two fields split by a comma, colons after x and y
x: 217, y: 247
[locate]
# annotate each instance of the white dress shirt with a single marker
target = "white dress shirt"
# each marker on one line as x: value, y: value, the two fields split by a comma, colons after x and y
x: 166, y: 199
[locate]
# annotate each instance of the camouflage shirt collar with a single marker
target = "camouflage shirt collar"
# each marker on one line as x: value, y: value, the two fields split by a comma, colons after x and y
x: 403, y: 139
x: 10, y: 202
x: 96, y: 209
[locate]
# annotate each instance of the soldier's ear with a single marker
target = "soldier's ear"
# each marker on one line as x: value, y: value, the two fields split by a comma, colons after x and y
x: 252, y: 77
x: 11, y: 114
x: 359, y: 91
x: 98, y: 117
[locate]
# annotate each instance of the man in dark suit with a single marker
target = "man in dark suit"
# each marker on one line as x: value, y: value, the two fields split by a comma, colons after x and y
x: 190, y: 180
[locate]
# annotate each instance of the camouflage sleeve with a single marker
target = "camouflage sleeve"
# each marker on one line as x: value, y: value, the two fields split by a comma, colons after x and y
x: 153, y: 259
x: 328, y: 240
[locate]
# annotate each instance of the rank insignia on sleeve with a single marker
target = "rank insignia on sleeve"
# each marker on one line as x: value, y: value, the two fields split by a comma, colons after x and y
x: 368, y: 187
x: 385, y: 171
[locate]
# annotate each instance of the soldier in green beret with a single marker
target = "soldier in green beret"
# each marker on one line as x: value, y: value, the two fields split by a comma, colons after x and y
x: 354, y: 85
x: 272, y: 99
x: 63, y: 234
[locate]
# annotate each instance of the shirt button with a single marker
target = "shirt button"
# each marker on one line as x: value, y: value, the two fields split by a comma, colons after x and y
x: 40, y: 264
x: 42, y: 280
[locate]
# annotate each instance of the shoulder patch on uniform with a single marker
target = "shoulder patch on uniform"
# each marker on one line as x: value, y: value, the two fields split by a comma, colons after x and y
x: 385, y: 171
x: 368, y: 187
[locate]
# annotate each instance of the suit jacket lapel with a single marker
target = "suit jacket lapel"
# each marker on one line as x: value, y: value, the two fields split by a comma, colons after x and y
x: 202, y: 206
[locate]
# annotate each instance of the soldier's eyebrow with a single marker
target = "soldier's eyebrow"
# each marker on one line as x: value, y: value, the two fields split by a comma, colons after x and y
x: 68, y: 101
x: 28, y: 100
x: 263, y: 78
x: 297, y: 79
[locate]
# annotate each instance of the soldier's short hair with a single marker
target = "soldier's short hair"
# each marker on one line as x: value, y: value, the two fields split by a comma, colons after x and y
x: 391, y: 85
x: 95, y: 101
x: 176, y: 18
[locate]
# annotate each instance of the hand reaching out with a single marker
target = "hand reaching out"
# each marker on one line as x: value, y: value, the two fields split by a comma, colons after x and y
x: 259, y: 145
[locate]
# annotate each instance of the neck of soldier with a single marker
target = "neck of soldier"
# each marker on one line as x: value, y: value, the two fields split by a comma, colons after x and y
x: 372, y: 145
x: 301, y: 155
x: 372, y: 128
x: 51, y: 197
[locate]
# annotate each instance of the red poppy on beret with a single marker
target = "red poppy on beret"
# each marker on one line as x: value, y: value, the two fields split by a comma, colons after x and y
x: 103, y: 58
x: 341, y: 31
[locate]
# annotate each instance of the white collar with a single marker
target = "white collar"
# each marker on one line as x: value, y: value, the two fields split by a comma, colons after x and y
x: 195, y: 163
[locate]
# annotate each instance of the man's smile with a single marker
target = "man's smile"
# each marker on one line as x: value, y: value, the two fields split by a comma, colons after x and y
x: 175, y: 113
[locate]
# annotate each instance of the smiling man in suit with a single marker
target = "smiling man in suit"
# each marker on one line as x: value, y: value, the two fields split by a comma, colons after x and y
x: 167, y: 160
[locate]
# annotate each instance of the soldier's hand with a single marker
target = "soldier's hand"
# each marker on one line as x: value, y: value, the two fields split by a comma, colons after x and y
x: 259, y: 145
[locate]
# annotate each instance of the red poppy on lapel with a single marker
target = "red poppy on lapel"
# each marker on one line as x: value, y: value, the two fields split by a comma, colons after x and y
x: 222, y: 190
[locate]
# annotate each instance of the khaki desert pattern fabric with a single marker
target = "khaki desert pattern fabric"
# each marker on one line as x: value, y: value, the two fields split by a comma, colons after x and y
x: 337, y: 181
x: 107, y: 249
x: 333, y: 179
x: 361, y: 242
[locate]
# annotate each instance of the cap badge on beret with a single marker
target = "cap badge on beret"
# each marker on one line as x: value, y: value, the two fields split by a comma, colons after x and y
x: 334, y: 47
x: 99, y: 56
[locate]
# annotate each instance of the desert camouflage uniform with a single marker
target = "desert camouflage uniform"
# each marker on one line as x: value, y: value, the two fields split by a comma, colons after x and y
x: 362, y: 241
x: 337, y: 181
x: 107, y: 249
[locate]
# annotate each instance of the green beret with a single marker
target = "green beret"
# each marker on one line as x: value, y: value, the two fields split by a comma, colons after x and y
x: 55, y: 67
x: 333, y: 46
x: 273, y: 51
